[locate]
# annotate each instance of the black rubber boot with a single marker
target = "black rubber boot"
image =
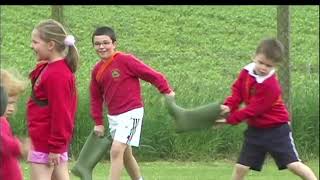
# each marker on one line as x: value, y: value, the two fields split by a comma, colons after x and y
x: 3, y: 100
x: 91, y: 153
x: 198, y: 118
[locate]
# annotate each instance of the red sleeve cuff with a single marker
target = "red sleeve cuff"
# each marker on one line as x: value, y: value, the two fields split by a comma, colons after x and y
x: 233, y: 121
x: 99, y: 122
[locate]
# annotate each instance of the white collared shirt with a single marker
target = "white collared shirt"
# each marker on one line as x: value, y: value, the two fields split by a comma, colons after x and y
x: 259, y: 79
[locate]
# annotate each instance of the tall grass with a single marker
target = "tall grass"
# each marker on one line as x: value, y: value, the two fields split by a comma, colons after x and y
x: 200, y: 49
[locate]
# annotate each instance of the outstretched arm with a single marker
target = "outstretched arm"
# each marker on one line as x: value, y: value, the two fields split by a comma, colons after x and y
x: 141, y: 70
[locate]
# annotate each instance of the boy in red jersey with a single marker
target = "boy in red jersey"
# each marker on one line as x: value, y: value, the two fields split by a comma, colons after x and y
x: 265, y: 113
x: 118, y: 86
x: 115, y: 83
x: 52, y: 106
x: 11, y: 148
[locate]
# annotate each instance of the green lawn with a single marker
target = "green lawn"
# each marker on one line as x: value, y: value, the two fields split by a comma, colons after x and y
x: 216, y: 170
x: 200, y: 49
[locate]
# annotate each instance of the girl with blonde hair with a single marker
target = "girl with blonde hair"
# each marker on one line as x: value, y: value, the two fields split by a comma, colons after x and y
x: 52, y: 106
x: 11, y: 148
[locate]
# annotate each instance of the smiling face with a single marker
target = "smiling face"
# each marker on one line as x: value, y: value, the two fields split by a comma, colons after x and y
x: 39, y: 46
x: 104, y: 46
x: 263, y: 65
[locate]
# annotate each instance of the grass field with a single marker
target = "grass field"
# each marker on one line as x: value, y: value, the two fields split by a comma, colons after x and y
x: 216, y: 170
x: 200, y: 49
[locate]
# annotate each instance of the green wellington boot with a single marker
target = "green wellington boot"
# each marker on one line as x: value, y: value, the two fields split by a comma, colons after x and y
x: 198, y: 118
x: 91, y: 153
x: 3, y: 100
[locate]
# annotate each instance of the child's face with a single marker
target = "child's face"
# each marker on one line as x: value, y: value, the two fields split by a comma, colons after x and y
x: 104, y: 46
x: 263, y: 66
x: 39, y: 46
x: 12, y: 101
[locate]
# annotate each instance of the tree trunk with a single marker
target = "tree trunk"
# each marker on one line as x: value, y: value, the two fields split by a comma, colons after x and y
x: 283, y: 34
x: 57, y: 13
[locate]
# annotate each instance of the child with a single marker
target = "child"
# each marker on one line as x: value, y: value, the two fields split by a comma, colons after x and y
x: 52, y: 106
x: 265, y: 113
x: 11, y: 149
x: 115, y: 83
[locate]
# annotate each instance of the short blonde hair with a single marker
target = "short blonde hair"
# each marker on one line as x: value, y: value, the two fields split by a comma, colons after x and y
x: 13, y: 85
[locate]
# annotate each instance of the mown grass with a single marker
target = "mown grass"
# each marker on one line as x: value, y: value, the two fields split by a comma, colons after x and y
x: 200, y: 49
x: 214, y: 170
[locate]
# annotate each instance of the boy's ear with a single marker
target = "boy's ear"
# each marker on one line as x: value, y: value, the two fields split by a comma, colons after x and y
x: 115, y: 44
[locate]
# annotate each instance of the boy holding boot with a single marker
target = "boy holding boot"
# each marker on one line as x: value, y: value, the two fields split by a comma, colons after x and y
x: 115, y: 82
x: 265, y: 113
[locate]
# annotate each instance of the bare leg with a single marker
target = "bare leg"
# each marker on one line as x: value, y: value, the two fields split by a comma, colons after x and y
x: 41, y: 171
x: 60, y: 172
x: 117, y: 162
x: 131, y: 164
x: 302, y: 170
x: 240, y: 171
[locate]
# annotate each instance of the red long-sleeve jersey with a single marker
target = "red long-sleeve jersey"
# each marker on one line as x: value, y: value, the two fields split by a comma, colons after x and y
x: 264, y: 106
x: 51, y: 126
x: 119, y: 88
x: 10, y: 152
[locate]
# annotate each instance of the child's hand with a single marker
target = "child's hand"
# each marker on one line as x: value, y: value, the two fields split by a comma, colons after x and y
x: 225, y: 109
x: 99, y: 130
x: 54, y: 159
x: 171, y: 94
x: 25, y: 146
x: 219, y: 123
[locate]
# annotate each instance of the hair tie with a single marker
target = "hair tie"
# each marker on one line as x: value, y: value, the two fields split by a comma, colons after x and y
x: 69, y: 40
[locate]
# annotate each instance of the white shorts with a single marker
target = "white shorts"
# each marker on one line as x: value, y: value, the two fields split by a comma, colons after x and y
x: 126, y: 127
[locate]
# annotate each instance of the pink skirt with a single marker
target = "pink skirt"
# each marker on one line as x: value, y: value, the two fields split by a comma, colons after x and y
x: 42, y: 158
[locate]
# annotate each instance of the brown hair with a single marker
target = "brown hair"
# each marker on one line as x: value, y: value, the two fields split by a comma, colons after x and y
x: 51, y: 30
x: 11, y: 83
x: 272, y: 49
x: 104, y: 30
